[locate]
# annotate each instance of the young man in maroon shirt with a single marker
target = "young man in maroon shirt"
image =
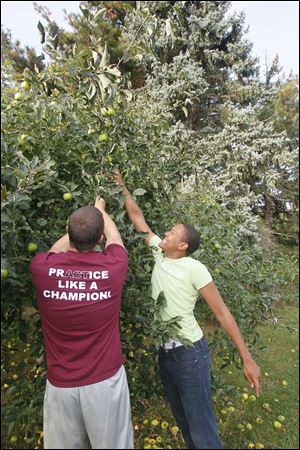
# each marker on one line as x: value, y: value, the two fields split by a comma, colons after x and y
x: 86, y: 403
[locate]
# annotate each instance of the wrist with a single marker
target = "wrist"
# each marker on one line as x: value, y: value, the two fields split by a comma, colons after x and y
x: 126, y: 191
x: 247, y: 358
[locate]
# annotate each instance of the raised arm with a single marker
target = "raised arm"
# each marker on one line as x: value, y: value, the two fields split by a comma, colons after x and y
x: 62, y: 245
x: 111, y: 231
x: 134, y: 212
x: 215, y: 302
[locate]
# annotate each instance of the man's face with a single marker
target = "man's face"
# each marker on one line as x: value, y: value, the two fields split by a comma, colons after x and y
x: 174, y: 239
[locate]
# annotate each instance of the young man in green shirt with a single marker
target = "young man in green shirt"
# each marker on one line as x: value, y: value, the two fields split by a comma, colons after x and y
x: 185, y: 371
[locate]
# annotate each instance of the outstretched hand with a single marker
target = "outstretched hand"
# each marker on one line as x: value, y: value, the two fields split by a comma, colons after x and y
x: 100, y: 203
x: 252, y: 373
x: 118, y: 178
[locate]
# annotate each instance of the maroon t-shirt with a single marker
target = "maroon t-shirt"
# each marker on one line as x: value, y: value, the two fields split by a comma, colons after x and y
x: 79, y: 299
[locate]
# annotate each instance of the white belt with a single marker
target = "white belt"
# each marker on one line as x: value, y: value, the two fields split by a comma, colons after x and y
x: 172, y: 343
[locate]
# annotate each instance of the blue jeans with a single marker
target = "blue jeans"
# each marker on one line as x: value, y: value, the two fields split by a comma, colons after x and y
x: 185, y: 375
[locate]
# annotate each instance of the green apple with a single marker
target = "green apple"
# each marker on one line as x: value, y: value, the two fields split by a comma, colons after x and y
x: 67, y: 196
x: 22, y: 139
x: 32, y: 247
x: 13, y: 440
x: 104, y: 112
x: 25, y: 86
x: 103, y: 137
x: 19, y: 96
x: 111, y: 112
x: 4, y: 273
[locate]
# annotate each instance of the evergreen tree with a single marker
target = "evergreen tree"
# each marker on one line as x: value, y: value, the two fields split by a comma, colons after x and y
x: 22, y: 57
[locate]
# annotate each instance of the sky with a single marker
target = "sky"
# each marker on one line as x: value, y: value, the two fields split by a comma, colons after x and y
x: 273, y: 27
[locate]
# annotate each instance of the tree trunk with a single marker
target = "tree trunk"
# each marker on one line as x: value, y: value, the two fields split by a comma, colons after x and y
x: 268, y: 210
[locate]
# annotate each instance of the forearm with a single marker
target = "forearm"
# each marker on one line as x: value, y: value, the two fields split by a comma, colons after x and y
x: 62, y: 245
x: 110, y: 227
x: 134, y: 213
x: 231, y: 328
x: 110, y: 231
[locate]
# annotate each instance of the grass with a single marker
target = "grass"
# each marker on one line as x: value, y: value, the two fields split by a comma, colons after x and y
x: 250, y: 423
x: 279, y: 369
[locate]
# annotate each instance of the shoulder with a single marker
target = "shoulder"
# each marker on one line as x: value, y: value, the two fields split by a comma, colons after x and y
x: 42, y: 258
x: 154, y: 242
x: 116, y: 251
x: 195, y: 263
x: 200, y: 274
x: 196, y: 267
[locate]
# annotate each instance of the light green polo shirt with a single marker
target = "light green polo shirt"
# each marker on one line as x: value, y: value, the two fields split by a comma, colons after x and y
x: 180, y: 280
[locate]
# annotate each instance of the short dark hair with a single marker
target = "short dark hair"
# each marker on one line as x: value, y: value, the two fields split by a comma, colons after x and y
x: 85, y: 227
x: 192, y: 238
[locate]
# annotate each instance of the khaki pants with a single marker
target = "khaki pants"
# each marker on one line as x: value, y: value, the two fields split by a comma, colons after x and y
x: 95, y: 416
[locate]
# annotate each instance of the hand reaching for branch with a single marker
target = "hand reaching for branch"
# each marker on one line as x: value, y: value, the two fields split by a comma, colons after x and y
x: 100, y: 203
x: 118, y: 178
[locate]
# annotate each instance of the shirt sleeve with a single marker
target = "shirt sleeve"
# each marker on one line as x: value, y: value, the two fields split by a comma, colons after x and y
x: 200, y: 275
x: 39, y: 260
x: 154, y: 246
x: 117, y: 251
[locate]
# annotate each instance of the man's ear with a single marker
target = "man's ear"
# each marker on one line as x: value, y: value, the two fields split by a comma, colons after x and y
x: 183, y: 246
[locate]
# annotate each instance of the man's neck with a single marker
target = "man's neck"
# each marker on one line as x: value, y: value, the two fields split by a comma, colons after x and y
x: 73, y: 249
x: 175, y: 255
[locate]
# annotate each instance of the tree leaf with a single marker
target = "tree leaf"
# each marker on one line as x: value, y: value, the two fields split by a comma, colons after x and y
x: 96, y: 58
x: 42, y: 32
x: 139, y: 191
x: 104, y: 80
x: 84, y: 11
x: 184, y: 109
x: 91, y: 92
x: 114, y: 71
x: 99, y: 13
x: 104, y: 57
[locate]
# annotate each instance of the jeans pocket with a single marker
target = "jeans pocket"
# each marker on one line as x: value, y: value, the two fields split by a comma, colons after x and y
x: 186, y: 356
